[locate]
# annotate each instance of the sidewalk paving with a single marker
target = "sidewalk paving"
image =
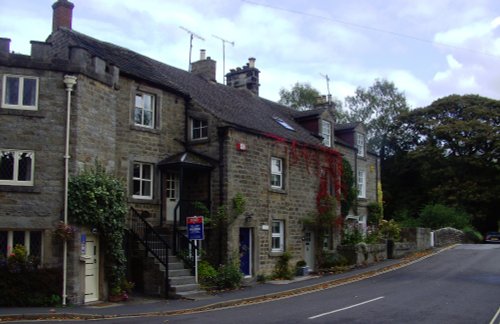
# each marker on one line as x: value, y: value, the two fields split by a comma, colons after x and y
x: 270, y: 290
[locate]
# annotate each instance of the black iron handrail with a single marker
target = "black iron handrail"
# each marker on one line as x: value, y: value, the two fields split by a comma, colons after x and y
x: 152, y: 241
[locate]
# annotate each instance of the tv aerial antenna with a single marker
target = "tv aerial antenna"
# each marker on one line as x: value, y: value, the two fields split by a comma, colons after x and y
x: 327, y: 79
x: 192, y: 35
x: 224, y: 41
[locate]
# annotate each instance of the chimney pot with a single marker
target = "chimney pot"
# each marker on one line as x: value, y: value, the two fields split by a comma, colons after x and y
x: 202, y: 54
x: 4, y: 45
x: 251, y: 62
x: 62, y: 14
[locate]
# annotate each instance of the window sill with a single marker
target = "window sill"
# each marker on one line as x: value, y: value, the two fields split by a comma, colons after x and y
x: 277, y: 190
x: 276, y: 253
x: 21, y: 189
x: 143, y: 201
x: 22, y: 112
x: 199, y: 141
x: 145, y: 129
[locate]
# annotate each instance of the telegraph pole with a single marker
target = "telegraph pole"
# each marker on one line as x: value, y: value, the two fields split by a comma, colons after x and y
x: 192, y: 35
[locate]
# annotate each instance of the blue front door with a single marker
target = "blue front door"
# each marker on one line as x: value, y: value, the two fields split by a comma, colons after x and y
x: 246, y: 251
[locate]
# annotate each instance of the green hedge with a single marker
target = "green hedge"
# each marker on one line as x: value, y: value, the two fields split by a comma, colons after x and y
x: 37, y: 287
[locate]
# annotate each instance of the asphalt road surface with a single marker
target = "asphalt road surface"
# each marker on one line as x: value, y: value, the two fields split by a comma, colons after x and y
x: 459, y: 285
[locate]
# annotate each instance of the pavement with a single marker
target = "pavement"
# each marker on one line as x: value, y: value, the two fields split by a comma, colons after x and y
x: 255, y: 293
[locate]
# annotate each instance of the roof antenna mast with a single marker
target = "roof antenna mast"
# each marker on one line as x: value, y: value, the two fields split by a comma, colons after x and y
x: 223, y: 56
x: 192, y: 35
x: 327, y: 79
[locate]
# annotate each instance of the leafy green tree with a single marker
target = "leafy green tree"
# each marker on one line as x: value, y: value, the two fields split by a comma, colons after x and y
x: 447, y: 153
x: 377, y: 107
x: 301, y: 97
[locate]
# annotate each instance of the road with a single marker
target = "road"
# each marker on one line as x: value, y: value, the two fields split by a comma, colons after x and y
x: 460, y: 285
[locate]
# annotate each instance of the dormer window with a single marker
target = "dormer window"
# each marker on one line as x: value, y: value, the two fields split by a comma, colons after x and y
x: 199, y: 129
x: 360, y: 144
x: 326, y: 133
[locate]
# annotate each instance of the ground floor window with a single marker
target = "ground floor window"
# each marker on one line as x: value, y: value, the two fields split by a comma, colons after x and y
x: 32, y: 241
x: 278, y: 236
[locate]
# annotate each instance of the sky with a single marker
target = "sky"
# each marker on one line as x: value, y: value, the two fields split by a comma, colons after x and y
x: 428, y: 48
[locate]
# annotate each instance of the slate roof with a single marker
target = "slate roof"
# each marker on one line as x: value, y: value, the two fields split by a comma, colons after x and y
x: 235, y: 106
x: 346, y: 126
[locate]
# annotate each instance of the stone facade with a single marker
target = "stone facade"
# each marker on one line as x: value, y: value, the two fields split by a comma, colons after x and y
x: 233, y: 159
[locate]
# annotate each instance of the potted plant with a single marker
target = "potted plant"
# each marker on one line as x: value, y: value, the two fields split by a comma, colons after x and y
x: 301, y: 268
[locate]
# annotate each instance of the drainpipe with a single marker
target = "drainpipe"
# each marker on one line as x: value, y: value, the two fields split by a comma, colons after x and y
x: 69, y: 81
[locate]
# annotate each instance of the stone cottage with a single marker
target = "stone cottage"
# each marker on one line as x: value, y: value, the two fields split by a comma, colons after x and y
x: 180, y: 140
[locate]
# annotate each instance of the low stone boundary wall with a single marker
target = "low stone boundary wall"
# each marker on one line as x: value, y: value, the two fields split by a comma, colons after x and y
x: 447, y: 236
x: 363, y: 253
x: 413, y: 240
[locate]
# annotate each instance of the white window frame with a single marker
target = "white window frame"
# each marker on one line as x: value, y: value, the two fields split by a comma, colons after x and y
x: 280, y: 235
x: 276, y: 171
x: 144, y: 109
x: 142, y: 180
x: 20, y: 96
x: 326, y: 132
x: 15, y: 172
x: 200, y: 125
x: 27, y: 241
x: 360, y: 144
x: 361, y: 184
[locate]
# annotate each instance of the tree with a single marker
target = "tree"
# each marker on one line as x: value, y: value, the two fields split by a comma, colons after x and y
x: 301, y: 97
x: 447, y: 153
x: 377, y: 107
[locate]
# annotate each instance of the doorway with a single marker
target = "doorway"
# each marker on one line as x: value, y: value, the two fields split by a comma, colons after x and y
x: 172, y: 194
x: 91, y: 257
x: 309, y: 249
x: 246, y: 251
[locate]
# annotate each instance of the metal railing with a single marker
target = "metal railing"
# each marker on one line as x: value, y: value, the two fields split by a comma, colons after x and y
x: 154, y: 243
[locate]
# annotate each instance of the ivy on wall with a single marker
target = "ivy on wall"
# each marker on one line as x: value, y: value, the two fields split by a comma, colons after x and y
x: 97, y: 200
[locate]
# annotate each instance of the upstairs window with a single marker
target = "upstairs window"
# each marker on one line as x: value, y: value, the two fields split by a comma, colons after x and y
x: 199, y: 129
x: 360, y: 144
x: 361, y: 184
x: 276, y: 173
x: 326, y: 133
x: 16, y: 167
x: 20, y: 92
x: 144, y: 111
x: 142, y: 181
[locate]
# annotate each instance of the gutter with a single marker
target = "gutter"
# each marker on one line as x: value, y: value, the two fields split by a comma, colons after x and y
x: 69, y: 81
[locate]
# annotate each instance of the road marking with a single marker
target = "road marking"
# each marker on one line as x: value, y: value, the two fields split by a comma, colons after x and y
x: 342, y: 309
x: 495, y: 317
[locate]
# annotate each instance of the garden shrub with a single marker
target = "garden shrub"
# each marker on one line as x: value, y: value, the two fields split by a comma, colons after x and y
x: 23, y: 284
x: 333, y: 259
x: 282, y: 268
x: 352, y: 234
x: 227, y: 276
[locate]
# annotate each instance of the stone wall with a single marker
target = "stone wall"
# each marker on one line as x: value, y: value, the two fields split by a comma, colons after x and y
x: 420, y: 236
x: 248, y: 173
x: 362, y: 253
x: 447, y: 236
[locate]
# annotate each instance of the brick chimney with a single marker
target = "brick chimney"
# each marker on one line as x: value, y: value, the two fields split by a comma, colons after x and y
x: 205, y: 67
x: 62, y: 15
x: 245, y: 78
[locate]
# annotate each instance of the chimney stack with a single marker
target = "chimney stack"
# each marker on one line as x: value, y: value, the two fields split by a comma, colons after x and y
x: 62, y: 14
x: 245, y: 78
x: 205, y: 67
